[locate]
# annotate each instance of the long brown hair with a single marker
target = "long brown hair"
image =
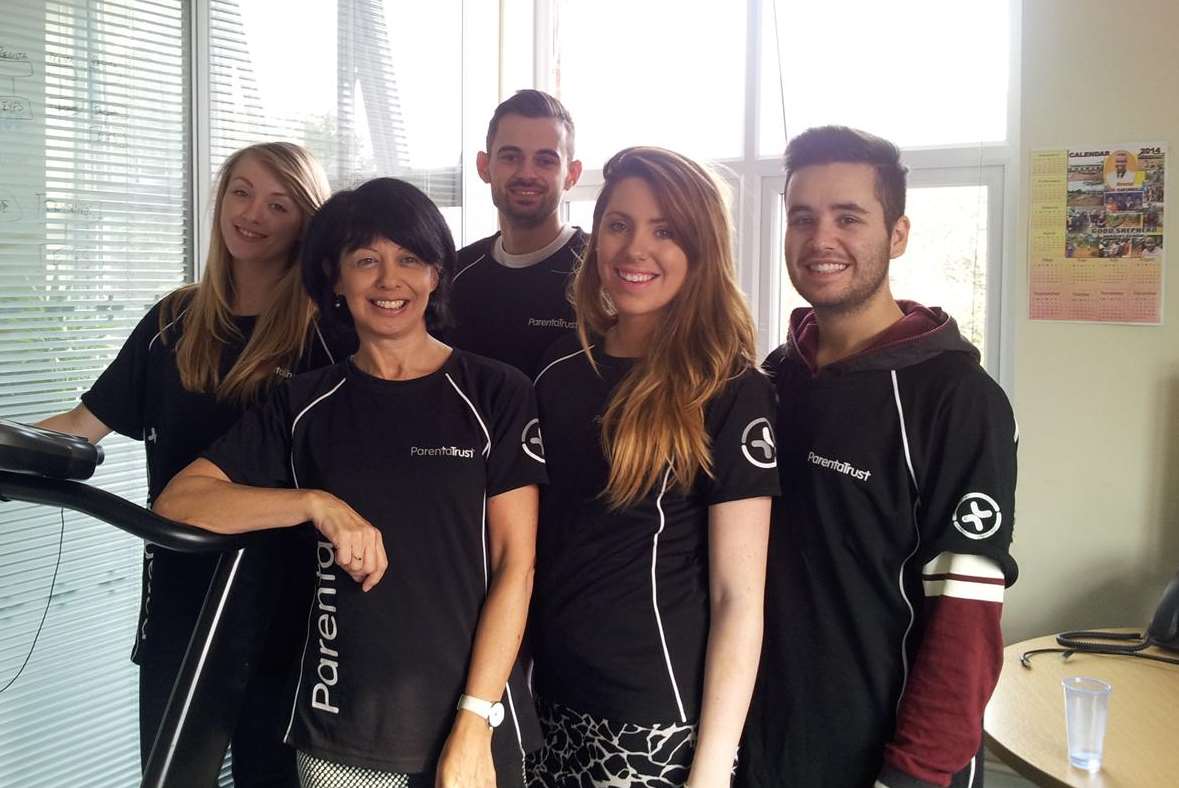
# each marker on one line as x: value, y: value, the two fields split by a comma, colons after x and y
x: 277, y: 340
x: 655, y: 418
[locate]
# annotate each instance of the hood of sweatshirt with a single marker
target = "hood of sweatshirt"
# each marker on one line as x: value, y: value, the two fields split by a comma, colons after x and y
x: 922, y: 333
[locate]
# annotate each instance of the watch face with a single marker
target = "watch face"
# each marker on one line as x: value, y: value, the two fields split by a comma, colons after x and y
x: 495, y: 715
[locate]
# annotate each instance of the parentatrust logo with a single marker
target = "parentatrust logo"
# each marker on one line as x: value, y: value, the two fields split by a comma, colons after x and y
x: 977, y: 516
x: 442, y: 451
x: 845, y: 468
x: 531, y: 442
x: 554, y: 322
x: 757, y: 444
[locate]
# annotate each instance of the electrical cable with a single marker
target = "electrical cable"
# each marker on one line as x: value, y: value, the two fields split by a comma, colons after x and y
x: 1079, y: 642
x: 1025, y: 658
x: 45, y: 612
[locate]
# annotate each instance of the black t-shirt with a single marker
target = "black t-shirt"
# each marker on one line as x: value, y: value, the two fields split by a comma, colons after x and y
x: 140, y: 395
x: 621, y: 604
x: 512, y: 314
x: 382, y: 671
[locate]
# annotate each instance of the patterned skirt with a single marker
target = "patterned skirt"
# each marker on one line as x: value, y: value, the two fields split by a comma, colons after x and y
x: 581, y: 751
x: 318, y: 773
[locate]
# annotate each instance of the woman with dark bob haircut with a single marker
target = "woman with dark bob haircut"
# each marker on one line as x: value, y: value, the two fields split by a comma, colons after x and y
x: 418, y: 466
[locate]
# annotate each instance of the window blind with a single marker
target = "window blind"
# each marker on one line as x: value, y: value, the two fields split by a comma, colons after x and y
x: 94, y: 228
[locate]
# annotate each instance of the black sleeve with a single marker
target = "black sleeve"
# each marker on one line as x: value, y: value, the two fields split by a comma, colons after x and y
x: 117, y: 397
x: 740, y: 422
x: 257, y: 450
x: 517, y: 452
x: 968, y: 493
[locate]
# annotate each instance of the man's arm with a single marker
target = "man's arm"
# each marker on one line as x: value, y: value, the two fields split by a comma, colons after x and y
x: 952, y: 676
x: 967, y: 494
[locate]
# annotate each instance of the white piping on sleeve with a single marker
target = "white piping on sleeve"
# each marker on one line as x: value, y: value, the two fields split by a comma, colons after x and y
x: 896, y: 390
x: 466, y: 268
x: 552, y: 364
x: 478, y: 418
x: 295, y: 423
x: 655, y: 597
x: 152, y: 341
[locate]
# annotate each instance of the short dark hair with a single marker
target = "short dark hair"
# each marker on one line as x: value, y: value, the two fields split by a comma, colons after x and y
x: 381, y: 208
x: 841, y: 144
x: 532, y: 104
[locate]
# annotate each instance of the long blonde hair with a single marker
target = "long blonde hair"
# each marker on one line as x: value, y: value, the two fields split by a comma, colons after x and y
x: 277, y: 339
x: 655, y: 418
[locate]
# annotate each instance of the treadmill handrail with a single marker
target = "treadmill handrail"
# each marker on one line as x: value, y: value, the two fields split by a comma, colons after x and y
x: 119, y: 512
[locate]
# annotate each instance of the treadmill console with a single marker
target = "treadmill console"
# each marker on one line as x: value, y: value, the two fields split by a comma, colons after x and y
x: 36, y: 450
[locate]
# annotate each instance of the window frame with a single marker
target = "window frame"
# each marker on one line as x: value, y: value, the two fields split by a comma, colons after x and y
x: 759, y: 182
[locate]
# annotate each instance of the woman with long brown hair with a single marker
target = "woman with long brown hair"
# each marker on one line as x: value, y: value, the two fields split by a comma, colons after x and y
x: 196, y: 360
x: 661, y: 460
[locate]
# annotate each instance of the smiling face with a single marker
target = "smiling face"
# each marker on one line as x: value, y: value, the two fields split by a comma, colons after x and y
x: 386, y: 288
x: 259, y: 220
x: 640, y: 264
x: 529, y: 169
x: 837, y: 244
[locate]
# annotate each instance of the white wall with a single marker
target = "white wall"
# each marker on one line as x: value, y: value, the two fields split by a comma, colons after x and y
x: 1097, y: 526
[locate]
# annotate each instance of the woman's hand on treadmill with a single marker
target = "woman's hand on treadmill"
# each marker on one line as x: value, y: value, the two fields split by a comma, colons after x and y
x: 360, y: 551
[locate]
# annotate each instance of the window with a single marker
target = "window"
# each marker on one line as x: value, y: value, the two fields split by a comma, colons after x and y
x: 906, y: 73
x: 710, y: 79
x: 94, y: 228
x: 113, y: 114
x: 368, y: 86
x: 649, y: 73
x: 948, y: 259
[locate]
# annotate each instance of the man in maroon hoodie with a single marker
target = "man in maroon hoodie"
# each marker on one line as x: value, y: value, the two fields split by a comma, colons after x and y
x: 889, y: 553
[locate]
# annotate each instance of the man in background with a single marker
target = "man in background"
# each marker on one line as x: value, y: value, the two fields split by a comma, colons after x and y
x: 508, y: 297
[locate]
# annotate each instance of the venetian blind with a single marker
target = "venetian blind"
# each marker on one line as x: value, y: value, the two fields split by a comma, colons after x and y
x: 94, y: 228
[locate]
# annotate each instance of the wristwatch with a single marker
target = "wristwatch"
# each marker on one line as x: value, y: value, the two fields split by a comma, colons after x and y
x: 493, y: 712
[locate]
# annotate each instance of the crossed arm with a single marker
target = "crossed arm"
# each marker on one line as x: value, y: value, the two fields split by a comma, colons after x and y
x: 202, y: 495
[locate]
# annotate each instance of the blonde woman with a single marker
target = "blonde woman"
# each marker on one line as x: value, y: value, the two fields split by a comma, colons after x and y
x: 189, y: 369
x: 653, y: 529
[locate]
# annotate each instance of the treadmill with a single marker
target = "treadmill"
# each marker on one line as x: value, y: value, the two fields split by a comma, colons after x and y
x: 46, y: 467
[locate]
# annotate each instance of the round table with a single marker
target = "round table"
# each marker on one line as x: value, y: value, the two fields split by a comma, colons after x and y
x: 1024, y: 722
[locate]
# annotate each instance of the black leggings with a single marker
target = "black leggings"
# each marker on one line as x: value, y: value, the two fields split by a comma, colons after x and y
x: 260, y: 759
